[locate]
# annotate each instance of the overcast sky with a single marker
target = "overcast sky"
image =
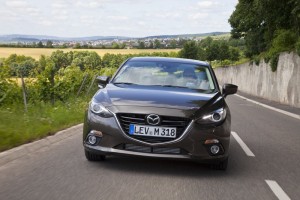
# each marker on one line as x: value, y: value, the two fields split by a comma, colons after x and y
x: 138, y: 18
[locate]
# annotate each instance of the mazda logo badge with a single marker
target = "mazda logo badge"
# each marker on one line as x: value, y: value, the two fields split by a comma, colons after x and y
x: 153, y: 119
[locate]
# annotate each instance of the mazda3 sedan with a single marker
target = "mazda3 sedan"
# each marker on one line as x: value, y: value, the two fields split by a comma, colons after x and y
x: 160, y: 107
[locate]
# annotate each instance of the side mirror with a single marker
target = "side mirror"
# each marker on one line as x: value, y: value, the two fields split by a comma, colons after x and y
x: 102, y: 81
x: 229, y: 89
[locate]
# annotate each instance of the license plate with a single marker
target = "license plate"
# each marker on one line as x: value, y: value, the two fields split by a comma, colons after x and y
x: 152, y: 131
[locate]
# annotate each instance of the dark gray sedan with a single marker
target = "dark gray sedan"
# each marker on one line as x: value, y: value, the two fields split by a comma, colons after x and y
x: 160, y: 107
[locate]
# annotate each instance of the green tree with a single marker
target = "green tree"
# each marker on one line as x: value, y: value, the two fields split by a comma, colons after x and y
x: 223, y: 51
x: 41, y: 64
x: 123, y: 45
x: 234, y: 54
x: 40, y: 44
x: 86, y: 60
x: 258, y: 20
x: 49, y: 44
x: 151, y: 45
x: 173, y: 44
x: 115, y: 45
x: 20, y: 65
x: 56, y: 61
x: 206, y: 42
x: 157, y: 44
x: 201, y: 53
x: 141, y: 45
x: 190, y: 50
x: 213, y: 51
x: 10, y: 92
x: 77, y: 46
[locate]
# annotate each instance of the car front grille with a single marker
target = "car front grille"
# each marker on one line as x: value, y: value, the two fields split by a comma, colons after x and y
x: 180, y: 123
x: 155, y: 150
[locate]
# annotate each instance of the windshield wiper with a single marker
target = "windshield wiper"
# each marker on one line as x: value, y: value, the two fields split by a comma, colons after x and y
x: 169, y: 86
x: 126, y: 83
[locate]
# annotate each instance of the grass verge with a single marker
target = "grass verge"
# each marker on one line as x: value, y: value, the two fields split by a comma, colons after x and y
x: 17, y: 127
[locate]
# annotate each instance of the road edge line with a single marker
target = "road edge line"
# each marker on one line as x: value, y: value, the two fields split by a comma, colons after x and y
x: 242, y: 144
x: 277, y: 190
x: 270, y: 107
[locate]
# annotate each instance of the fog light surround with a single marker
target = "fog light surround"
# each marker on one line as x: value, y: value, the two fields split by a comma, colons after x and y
x: 214, y: 149
x: 92, y: 139
x: 212, y: 141
x: 96, y: 133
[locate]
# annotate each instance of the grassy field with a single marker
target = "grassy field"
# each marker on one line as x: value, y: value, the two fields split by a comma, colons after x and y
x: 37, y: 52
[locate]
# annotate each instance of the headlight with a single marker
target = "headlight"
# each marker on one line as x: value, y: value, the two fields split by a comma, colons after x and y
x: 100, y: 110
x: 213, y: 117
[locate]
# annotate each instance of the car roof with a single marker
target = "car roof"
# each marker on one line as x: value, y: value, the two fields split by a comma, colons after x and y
x: 168, y: 59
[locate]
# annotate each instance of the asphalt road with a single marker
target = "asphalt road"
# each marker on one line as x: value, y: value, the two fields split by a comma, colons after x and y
x: 61, y: 171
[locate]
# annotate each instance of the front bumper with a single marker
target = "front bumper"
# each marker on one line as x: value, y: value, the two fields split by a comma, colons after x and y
x: 191, y: 144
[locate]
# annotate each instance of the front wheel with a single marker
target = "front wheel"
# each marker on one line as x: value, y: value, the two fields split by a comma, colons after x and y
x: 93, y: 157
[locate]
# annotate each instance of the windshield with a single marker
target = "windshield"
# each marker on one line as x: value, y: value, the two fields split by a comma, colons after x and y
x: 170, y: 74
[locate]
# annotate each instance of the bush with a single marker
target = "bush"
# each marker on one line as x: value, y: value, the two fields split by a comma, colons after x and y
x: 297, y: 46
x: 226, y: 62
x: 108, y: 71
x: 284, y: 40
x: 256, y: 60
x: 274, y: 62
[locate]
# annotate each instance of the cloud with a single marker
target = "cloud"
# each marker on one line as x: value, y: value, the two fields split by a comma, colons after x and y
x: 22, y: 8
x: 117, y: 18
x: 198, y: 16
x: 59, y: 5
x: 206, y: 4
x: 90, y: 4
x: 60, y: 10
x: 141, y: 23
x: 8, y: 15
x: 119, y: 28
x: 88, y: 20
x: 16, y: 4
x: 60, y: 14
x: 45, y: 23
x: 33, y: 11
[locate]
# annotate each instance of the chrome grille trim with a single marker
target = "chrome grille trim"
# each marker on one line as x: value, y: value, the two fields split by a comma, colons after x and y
x: 187, y: 129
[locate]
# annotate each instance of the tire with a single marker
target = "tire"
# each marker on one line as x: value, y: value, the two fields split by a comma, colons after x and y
x: 93, y: 157
x: 221, y: 165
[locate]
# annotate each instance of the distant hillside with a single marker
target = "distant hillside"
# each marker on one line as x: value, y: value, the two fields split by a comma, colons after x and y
x: 36, y: 38
x: 188, y: 35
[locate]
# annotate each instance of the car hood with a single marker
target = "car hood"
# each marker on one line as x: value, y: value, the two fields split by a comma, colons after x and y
x: 147, y: 96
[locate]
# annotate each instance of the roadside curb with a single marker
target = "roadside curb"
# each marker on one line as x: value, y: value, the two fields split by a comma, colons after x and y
x: 23, y: 150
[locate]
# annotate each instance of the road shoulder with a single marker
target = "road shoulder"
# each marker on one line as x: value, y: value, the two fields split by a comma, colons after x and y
x: 18, y: 152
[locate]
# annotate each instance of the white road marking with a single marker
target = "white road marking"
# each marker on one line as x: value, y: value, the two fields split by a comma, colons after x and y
x: 277, y: 190
x: 271, y: 108
x: 242, y: 144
